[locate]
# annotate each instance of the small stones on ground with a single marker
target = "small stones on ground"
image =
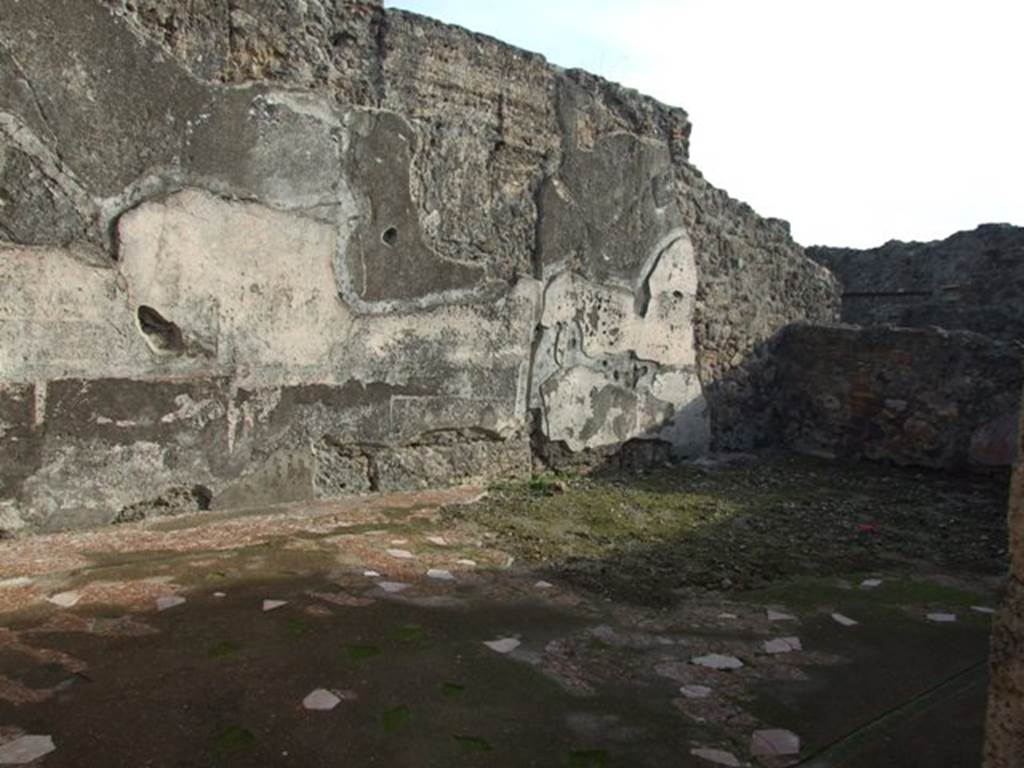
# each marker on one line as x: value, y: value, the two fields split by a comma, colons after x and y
x: 846, y: 621
x: 220, y: 595
x: 467, y: 563
x: 728, y: 616
x: 717, y: 661
x: 64, y: 599
x: 503, y: 645
x: 774, y: 742
x: 392, y: 587
x: 695, y: 691
x: 401, y: 554
x: 544, y: 585
x: 273, y: 605
x: 717, y: 756
x: 982, y: 609
x: 871, y: 583
x: 440, y: 574
x: 169, y: 601
x: 399, y: 542
x: 780, y: 616
x: 321, y: 700
x: 438, y: 541
x: 371, y: 574
x: 942, y: 618
x: 782, y: 645
x: 26, y: 749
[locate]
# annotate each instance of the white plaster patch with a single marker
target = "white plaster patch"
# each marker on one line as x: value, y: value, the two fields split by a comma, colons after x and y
x: 253, y: 284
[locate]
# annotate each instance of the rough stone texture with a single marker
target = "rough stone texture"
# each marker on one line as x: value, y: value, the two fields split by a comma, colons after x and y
x: 922, y: 397
x: 970, y: 281
x: 283, y: 251
x: 1004, y: 743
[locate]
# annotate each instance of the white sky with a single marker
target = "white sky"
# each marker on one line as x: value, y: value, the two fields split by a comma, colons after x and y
x: 856, y: 120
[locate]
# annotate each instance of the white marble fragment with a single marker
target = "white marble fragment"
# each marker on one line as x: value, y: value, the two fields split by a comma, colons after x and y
x: 942, y: 618
x: 695, y: 691
x: 321, y: 700
x: 774, y: 742
x: 273, y: 605
x: 782, y: 645
x: 169, y: 601
x: 440, y: 574
x: 401, y: 554
x: 871, y: 583
x: 438, y: 541
x: 466, y: 563
x: 392, y: 587
x: 26, y: 749
x: 64, y: 599
x: 717, y: 756
x: 780, y: 616
x: 504, y: 645
x: 17, y: 581
x: 371, y: 574
x: 982, y: 609
x: 846, y: 621
x: 544, y: 585
x: 717, y: 661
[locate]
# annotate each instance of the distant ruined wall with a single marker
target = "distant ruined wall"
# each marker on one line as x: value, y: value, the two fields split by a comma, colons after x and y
x: 1004, y: 743
x: 971, y: 281
x: 922, y: 397
x: 266, y: 251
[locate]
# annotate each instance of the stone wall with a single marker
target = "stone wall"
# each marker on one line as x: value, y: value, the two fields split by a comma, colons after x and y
x: 271, y: 251
x: 923, y: 397
x: 1004, y: 743
x: 971, y: 281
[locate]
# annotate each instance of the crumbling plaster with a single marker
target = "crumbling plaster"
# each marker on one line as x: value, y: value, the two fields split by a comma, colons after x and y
x: 292, y: 251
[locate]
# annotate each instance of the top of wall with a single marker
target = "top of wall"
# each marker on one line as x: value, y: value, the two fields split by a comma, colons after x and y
x: 972, y: 281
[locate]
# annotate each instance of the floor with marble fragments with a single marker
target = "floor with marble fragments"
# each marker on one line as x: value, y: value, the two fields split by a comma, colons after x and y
x: 472, y: 627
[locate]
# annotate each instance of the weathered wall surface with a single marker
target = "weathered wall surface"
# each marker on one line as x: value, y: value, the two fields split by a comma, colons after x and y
x: 923, y: 397
x: 269, y: 251
x: 1004, y: 743
x: 970, y: 281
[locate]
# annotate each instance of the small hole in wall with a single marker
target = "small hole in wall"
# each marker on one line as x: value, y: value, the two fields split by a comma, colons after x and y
x: 203, y: 497
x: 390, y: 237
x: 163, y: 336
x: 677, y: 294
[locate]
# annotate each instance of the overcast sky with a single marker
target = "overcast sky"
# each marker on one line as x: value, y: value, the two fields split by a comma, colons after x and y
x: 858, y: 121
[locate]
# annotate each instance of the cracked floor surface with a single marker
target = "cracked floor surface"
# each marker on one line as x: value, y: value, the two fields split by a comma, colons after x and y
x: 459, y: 629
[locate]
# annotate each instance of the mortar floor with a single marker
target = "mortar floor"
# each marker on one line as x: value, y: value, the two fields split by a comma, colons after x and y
x: 515, y: 650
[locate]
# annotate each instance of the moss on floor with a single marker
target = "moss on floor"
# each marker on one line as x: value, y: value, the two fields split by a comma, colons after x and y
x: 640, y: 537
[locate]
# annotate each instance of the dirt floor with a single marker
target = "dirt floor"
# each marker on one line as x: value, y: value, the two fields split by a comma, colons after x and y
x: 564, y: 621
